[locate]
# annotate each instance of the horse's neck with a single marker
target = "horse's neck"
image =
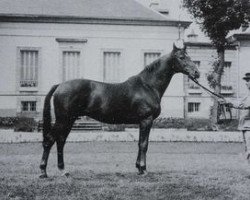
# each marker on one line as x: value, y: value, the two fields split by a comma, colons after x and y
x: 159, y: 77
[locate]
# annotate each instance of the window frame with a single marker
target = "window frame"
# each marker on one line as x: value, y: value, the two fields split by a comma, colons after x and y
x: 120, y: 67
x: 18, y: 69
x: 71, y: 44
x: 78, y: 50
x: 71, y: 48
x: 36, y: 99
x: 29, y: 106
x: 194, y: 107
x: 227, y: 88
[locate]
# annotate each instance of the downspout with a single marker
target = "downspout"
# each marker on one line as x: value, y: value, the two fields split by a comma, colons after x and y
x: 238, y: 79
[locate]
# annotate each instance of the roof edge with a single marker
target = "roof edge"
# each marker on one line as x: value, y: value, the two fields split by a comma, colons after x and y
x: 239, y: 36
x: 81, y: 20
x: 207, y: 44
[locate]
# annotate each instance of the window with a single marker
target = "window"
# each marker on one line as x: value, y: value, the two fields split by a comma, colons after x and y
x: 193, y: 107
x: 226, y: 80
x: 111, y: 65
x: 149, y: 57
x: 29, y: 68
x: 71, y: 65
x: 191, y: 84
x: 27, y: 106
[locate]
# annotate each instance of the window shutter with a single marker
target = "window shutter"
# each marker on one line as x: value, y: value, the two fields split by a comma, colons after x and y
x: 29, y: 68
x: 111, y: 64
x: 71, y: 65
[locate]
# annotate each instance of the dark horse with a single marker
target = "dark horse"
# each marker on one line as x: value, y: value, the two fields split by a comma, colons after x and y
x: 135, y: 101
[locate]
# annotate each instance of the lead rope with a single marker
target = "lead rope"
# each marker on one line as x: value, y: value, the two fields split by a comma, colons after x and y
x: 219, y: 96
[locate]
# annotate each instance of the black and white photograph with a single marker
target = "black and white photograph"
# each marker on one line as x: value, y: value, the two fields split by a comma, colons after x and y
x: 124, y: 100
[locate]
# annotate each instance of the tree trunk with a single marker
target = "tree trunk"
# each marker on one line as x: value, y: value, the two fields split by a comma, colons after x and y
x: 217, y: 89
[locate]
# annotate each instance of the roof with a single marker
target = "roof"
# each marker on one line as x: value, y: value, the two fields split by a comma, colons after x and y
x: 239, y: 35
x: 207, y: 45
x: 77, y: 10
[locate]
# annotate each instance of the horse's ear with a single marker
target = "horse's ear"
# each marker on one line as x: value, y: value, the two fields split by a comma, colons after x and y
x: 178, y: 44
x: 174, y: 47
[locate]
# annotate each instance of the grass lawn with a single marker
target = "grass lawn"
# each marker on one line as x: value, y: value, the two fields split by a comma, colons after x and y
x: 106, y: 170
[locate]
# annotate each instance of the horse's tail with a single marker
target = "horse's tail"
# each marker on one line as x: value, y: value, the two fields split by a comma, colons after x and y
x: 46, y: 111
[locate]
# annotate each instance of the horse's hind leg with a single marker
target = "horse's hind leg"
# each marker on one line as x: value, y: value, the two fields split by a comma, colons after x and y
x: 59, y: 132
x: 60, y: 141
x: 48, y: 142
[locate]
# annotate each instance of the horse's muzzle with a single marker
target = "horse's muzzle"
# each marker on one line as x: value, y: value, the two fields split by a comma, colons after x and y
x: 196, y: 74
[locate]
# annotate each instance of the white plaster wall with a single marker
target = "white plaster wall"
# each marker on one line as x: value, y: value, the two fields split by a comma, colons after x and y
x: 244, y: 63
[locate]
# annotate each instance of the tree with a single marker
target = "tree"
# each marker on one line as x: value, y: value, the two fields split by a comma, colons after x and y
x: 216, y: 18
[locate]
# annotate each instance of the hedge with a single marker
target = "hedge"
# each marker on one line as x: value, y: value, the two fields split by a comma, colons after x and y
x: 29, y: 124
x: 25, y: 124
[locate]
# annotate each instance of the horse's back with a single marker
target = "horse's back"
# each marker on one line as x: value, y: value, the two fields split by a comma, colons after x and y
x: 84, y: 94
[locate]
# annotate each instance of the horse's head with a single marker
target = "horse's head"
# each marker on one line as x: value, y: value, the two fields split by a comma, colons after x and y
x: 182, y: 62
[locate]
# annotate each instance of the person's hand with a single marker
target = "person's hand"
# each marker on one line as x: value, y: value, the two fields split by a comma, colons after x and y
x: 222, y: 101
x: 226, y: 103
x: 229, y: 105
x: 241, y: 105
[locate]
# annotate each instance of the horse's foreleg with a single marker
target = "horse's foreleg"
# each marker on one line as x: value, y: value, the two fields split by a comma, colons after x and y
x: 145, y: 127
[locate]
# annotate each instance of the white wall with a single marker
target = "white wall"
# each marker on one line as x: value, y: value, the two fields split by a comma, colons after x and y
x: 244, y: 63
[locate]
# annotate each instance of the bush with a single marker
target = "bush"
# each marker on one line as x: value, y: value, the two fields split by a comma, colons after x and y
x: 192, y: 124
x: 163, y: 123
x: 114, y: 127
x: 169, y: 123
x: 7, y: 122
x: 229, y: 125
x: 199, y: 125
x: 25, y: 124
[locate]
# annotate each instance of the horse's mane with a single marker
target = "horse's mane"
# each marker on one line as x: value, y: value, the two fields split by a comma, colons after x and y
x: 152, y: 66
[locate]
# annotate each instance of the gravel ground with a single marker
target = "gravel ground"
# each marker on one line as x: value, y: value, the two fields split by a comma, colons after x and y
x: 106, y: 170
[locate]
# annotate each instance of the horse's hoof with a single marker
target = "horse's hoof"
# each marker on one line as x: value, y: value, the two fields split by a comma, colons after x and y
x: 66, y: 174
x: 43, y: 176
x: 142, y: 173
x: 145, y: 173
x: 248, y: 177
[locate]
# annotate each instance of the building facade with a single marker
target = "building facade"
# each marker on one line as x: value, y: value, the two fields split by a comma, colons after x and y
x: 198, y: 102
x: 47, y: 42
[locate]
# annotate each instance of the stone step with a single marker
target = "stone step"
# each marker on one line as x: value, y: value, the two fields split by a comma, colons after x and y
x: 79, y: 126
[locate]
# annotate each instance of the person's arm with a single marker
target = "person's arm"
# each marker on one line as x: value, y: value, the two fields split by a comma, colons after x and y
x: 235, y: 104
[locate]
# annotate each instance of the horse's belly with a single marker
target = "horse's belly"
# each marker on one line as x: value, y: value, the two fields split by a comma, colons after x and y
x: 115, y: 118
